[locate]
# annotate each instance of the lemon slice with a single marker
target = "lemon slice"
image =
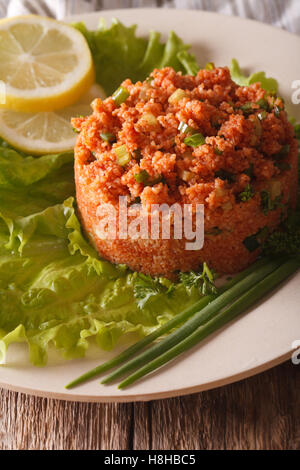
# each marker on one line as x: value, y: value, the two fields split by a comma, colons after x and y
x: 45, y: 133
x: 45, y: 64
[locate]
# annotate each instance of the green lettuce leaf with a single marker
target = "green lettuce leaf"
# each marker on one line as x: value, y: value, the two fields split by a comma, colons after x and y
x: 268, y: 84
x: 119, y: 54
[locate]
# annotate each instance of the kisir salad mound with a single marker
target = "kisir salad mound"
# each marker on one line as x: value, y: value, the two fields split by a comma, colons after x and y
x: 190, y: 140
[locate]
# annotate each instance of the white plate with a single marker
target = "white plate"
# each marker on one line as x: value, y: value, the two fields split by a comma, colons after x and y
x: 255, y: 342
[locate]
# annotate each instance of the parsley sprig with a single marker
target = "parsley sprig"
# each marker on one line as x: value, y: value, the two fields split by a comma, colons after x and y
x: 147, y: 288
x: 204, y: 281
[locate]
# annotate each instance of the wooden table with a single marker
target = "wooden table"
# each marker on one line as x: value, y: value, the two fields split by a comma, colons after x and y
x: 262, y: 412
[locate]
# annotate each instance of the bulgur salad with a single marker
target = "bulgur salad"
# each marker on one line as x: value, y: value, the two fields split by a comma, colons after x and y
x: 173, y: 132
x: 190, y: 140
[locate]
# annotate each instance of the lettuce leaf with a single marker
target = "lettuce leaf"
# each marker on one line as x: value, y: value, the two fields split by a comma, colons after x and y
x: 119, y: 54
x: 268, y: 84
x: 54, y: 290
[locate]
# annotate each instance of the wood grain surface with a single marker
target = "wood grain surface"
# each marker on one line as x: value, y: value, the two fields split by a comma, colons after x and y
x: 262, y: 412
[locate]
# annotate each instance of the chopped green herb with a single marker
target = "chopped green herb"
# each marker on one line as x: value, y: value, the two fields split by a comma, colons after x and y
x: 107, y: 137
x: 136, y: 200
x: 284, y: 166
x: 278, y: 202
x: 216, y: 125
x: 263, y: 104
x: 147, y: 288
x: 185, y: 129
x: 218, y: 151
x: 178, y: 95
x: 284, y: 151
x: 262, y: 115
x: 247, y: 194
x: 248, y: 287
x: 277, y: 111
x: 297, y: 131
x: 262, y: 234
x: 142, y: 177
x: 195, y: 140
x: 120, y: 95
x: 250, y: 171
x: 268, y: 204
